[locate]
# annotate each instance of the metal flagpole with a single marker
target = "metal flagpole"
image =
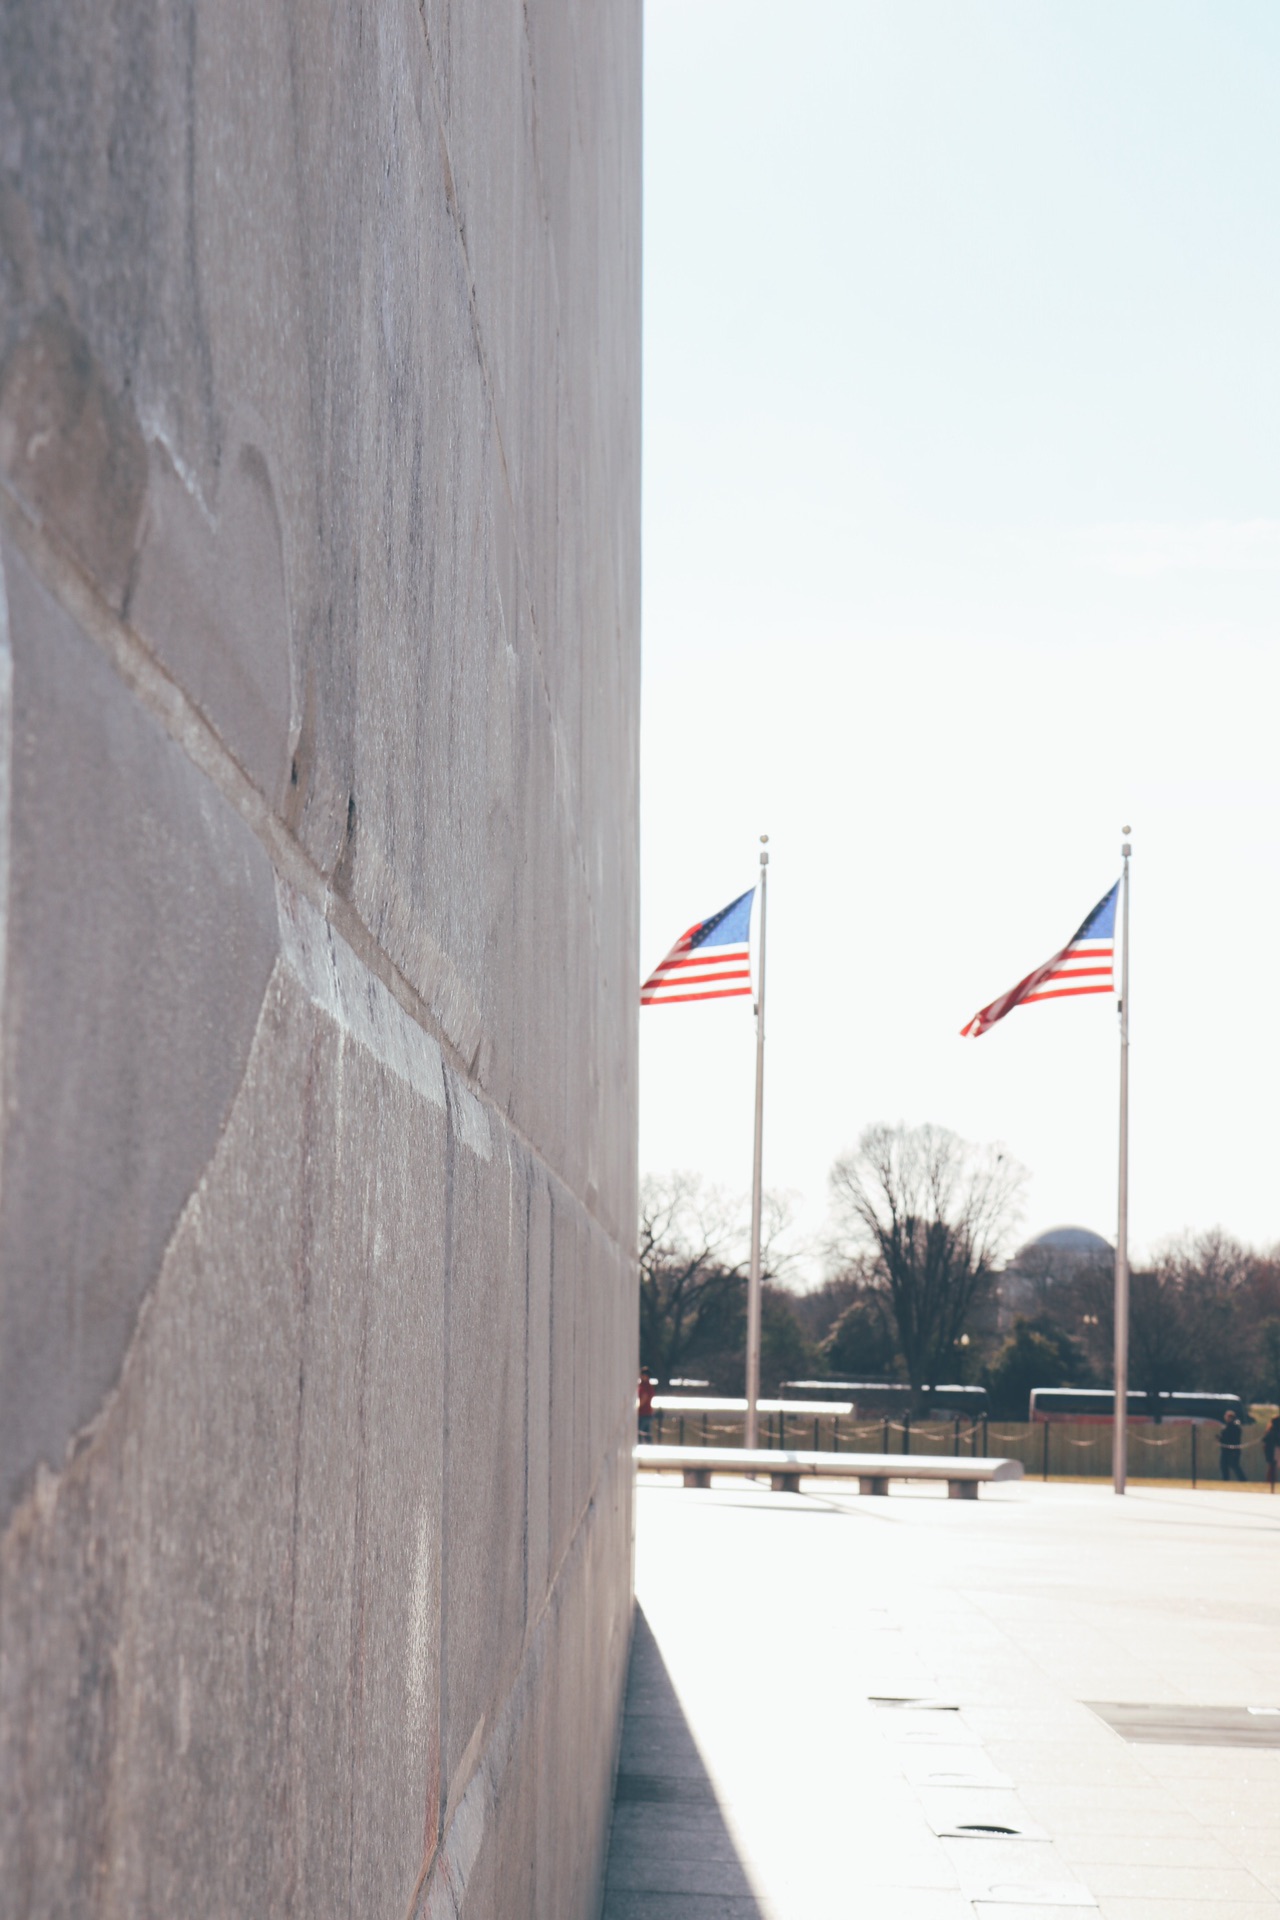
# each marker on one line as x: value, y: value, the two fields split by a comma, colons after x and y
x: 1120, y: 1422
x: 753, y: 1282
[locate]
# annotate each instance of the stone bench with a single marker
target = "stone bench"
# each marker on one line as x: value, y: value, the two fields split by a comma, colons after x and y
x: 785, y: 1471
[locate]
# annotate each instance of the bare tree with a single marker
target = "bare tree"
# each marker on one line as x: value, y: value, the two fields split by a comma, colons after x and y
x: 1260, y: 1309
x: 693, y: 1279
x: 690, y: 1268
x: 1201, y: 1288
x: 1162, y: 1348
x: 934, y: 1214
x: 1194, y: 1318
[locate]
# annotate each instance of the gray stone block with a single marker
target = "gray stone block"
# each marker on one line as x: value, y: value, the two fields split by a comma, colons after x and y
x: 140, y: 931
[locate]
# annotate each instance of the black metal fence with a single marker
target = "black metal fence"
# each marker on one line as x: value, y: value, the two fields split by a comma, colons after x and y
x: 1058, y: 1449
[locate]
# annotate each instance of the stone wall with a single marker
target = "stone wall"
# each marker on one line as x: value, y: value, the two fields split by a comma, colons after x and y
x: 319, y: 444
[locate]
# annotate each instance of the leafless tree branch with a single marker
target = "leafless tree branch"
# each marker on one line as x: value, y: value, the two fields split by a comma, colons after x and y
x: 934, y: 1213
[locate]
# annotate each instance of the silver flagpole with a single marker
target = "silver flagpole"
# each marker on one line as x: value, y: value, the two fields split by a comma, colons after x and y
x: 753, y: 1282
x: 1120, y: 1424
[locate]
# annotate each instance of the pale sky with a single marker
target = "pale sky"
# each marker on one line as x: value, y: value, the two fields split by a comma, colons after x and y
x: 962, y: 551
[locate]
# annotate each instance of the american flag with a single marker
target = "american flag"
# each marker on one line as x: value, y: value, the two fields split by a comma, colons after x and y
x: 712, y: 961
x: 1083, y: 966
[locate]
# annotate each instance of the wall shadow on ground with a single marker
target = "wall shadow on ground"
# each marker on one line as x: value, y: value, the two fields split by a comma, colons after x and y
x: 670, y: 1841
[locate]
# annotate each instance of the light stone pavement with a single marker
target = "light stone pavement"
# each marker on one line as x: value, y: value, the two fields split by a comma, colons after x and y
x: 759, y: 1780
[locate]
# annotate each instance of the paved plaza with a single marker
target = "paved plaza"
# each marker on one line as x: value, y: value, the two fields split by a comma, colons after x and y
x: 853, y: 1708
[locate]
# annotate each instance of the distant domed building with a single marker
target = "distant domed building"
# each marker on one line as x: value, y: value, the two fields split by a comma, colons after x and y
x: 1022, y: 1288
x: 1075, y: 1245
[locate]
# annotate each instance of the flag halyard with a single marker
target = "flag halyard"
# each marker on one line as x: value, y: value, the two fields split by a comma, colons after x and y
x: 711, y: 961
x: 1085, y: 965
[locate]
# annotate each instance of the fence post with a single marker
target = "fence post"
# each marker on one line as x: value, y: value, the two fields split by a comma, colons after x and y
x: 835, y: 1436
x: 986, y: 1438
x: 885, y: 1446
x: 1044, y: 1472
x: 1195, y: 1428
x: 815, y: 1433
x: 956, y: 1441
x: 681, y: 1429
x: 704, y: 1429
x: 659, y: 1426
x: 906, y: 1431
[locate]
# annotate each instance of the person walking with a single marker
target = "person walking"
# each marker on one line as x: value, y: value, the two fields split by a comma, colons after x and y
x: 1270, y: 1447
x: 644, y: 1405
x: 1230, y: 1438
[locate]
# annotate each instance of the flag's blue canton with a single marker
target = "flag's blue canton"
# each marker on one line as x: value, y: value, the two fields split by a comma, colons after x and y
x: 728, y: 928
x: 711, y: 961
x: 1101, y: 924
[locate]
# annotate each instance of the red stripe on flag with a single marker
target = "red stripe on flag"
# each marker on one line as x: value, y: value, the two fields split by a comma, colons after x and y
x: 658, y: 979
x: 1063, y: 993
x: 670, y: 999
x: 705, y: 957
x: 659, y: 987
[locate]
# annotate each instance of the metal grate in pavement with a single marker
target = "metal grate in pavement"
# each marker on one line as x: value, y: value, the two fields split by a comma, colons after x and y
x: 1182, y: 1726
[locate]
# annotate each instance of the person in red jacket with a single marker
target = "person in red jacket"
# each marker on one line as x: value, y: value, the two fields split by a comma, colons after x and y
x: 644, y: 1404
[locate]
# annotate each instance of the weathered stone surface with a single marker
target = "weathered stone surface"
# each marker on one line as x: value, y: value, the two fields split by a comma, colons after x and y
x: 141, y: 930
x: 72, y: 448
x: 210, y: 598
x: 319, y: 442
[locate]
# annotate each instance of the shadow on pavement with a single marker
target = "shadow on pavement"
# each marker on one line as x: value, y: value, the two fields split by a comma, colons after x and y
x: 671, y: 1854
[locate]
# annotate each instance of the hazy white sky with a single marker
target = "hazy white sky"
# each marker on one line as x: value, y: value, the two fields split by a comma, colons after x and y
x: 962, y: 550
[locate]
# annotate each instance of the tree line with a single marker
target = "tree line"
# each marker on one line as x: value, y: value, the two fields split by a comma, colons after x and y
x: 921, y: 1223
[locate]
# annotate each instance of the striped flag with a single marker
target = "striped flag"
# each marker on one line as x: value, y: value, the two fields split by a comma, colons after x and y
x: 712, y: 961
x: 1083, y: 966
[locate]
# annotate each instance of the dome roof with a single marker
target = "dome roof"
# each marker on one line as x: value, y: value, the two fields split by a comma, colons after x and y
x: 1076, y: 1243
